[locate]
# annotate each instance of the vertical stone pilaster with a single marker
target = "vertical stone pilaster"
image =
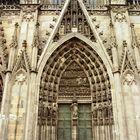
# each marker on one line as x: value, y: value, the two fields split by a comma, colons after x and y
x: 137, y: 56
x: 5, y: 107
x: 120, y: 130
x: 74, y: 129
x: 30, y: 116
x: 6, y: 93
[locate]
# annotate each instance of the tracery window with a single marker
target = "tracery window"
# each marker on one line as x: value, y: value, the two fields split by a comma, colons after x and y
x: 133, y: 2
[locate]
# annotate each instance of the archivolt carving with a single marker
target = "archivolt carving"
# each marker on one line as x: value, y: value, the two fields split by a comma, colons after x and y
x: 76, y: 64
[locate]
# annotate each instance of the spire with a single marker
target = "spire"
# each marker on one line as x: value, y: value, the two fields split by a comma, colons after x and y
x: 36, y: 41
x: 14, y: 37
x: 74, y: 20
x: 134, y: 42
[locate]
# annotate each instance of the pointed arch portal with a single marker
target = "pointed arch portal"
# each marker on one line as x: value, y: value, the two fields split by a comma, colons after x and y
x: 75, y: 99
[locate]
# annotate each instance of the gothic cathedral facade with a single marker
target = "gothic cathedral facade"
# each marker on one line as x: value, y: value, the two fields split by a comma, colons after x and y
x: 69, y: 70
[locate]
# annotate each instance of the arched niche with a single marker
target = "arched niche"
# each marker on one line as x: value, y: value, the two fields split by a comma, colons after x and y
x: 75, y: 64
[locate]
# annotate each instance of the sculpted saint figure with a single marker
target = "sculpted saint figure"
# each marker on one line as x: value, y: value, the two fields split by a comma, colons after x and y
x: 74, y: 108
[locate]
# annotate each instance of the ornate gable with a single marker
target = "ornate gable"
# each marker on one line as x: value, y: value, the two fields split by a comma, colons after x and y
x: 127, y: 61
x: 23, y: 60
x: 74, y: 20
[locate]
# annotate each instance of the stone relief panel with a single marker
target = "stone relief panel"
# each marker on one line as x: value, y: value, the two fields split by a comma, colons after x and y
x: 18, y: 106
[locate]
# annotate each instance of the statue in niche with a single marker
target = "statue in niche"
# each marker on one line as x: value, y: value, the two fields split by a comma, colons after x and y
x: 68, y: 27
x: 48, y: 108
x: 99, y: 111
x: 110, y: 113
x: 80, y: 25
x: 94, y: 110
x: 74, y: 108
x: 54, y: 109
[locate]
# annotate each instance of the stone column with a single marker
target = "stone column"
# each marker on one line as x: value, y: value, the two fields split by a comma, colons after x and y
x: 6, y: 92
x: 30, y: 116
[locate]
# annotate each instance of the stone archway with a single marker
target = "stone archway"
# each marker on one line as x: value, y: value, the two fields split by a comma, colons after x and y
x: 90, y: 85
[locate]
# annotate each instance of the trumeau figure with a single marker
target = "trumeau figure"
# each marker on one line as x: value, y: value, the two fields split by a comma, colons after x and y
x: 74, y: 108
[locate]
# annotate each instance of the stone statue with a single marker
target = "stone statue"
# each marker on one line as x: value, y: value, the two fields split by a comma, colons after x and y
x: 48, y: 108
x: 54, y: 109
x: 74, y: 108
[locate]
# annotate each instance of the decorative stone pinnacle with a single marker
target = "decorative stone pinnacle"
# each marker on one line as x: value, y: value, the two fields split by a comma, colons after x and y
x: 24, y: 44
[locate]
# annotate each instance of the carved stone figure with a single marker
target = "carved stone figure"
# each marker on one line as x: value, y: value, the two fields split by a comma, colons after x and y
x: 74, y: 108
x: 48, y: 109
x: 54, y: 109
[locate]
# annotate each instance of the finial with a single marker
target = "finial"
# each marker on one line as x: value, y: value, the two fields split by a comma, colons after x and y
x: 24, y: 44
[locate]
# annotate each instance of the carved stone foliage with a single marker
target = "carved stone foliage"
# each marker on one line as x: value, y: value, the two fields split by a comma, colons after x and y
x: 76, y: 70
x: 74, y: 21
x: 119, y: 13
x: 29, y: 12
x: 9, y: 10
